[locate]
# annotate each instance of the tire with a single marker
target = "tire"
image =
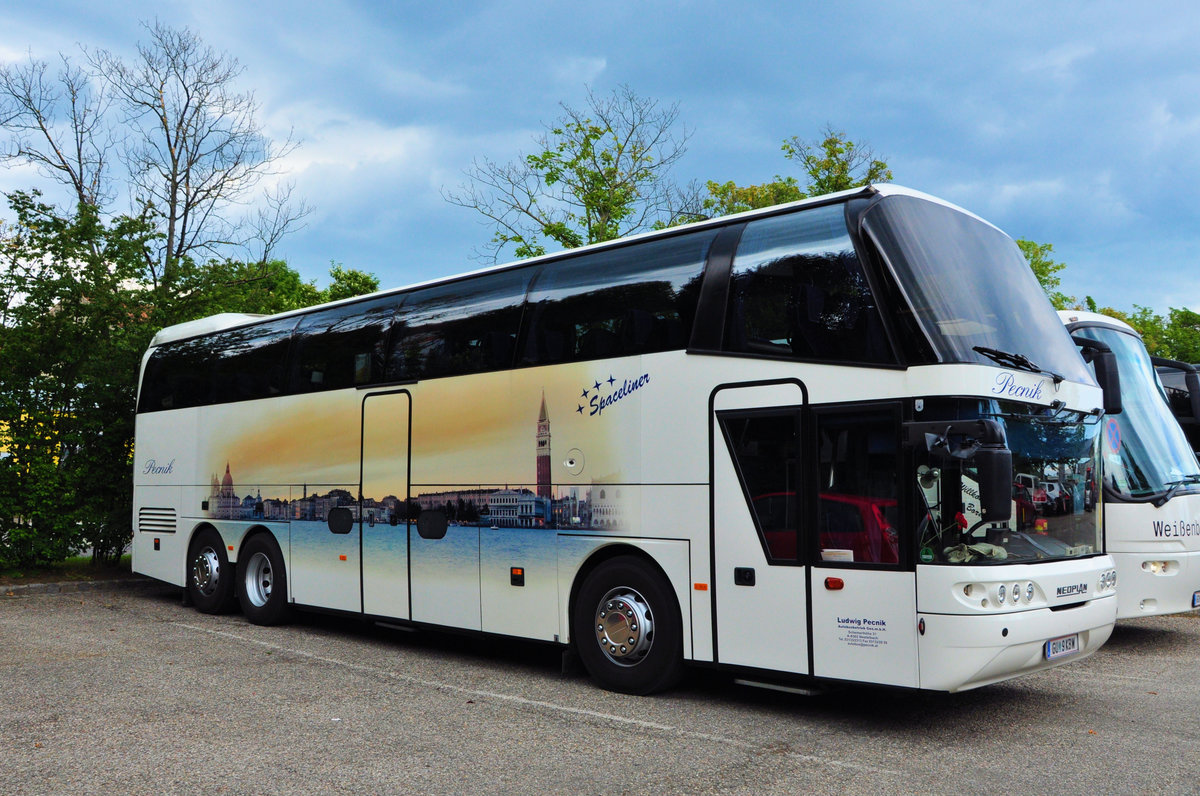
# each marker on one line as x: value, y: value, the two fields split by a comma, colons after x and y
x: 209, y: 574
x: 628, y: 600
x: 262, y: 582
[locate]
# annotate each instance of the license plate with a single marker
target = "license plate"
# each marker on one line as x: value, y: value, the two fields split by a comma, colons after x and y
x: 1059, y: 647
x: 1196, y: 599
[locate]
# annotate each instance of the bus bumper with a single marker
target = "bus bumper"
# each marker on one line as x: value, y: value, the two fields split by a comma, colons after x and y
x: 956, y: 653
x: 1156, y: 582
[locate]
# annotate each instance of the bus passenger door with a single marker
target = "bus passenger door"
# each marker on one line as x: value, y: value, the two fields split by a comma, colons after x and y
x: 864, y: 598
x: 385, y: 508
x: 759, y: 584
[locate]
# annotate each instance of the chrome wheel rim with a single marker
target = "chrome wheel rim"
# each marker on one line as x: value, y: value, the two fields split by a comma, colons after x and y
x: 206, y: 571
x: 259, y: 579
x: 624, y: 626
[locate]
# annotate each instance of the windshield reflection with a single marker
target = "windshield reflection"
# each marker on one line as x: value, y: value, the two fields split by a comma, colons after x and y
x: 970, y: 289
x: 1146, y: 454
x: 1054, y: 491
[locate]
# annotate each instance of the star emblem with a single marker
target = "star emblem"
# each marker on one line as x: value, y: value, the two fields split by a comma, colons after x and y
x: 611, y: 380
x: 585, y: 394
x: 596, y: 386
x: 579, y: 410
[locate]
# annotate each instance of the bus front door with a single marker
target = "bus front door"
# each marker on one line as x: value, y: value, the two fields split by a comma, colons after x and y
x: 759, y: 581
x: 385, y: 508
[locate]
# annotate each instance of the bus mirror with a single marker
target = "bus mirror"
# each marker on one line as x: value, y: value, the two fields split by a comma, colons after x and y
x: 994, y: 466
x: 1105, y: 365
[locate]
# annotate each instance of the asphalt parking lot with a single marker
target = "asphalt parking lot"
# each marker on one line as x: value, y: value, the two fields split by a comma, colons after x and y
x: 124, y: 690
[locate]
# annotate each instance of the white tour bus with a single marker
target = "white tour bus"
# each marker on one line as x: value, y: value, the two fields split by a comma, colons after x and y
x: 1151, y: 480
x: 781, y: 443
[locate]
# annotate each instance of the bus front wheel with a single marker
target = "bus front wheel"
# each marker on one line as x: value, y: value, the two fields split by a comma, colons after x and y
x: 210, y: 576
x: 627, y: 628
x: 262, y: 581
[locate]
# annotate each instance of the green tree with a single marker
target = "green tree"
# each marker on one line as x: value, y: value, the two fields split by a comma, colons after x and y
x: 1182, y: 335
x: 72, y: 337
x: 1150, y: 325
x: 1046, y: 270
x: 347, y: 282
x: 835, y: 163
x: 599, y: 173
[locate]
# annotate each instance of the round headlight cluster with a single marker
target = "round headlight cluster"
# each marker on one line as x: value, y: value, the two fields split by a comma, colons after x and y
x: 1011, y: 594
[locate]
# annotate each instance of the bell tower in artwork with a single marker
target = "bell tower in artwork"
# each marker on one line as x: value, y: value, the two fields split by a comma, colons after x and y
x: 544, y: 488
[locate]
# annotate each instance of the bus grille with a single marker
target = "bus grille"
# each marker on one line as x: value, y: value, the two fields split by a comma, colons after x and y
x: 152, y: 520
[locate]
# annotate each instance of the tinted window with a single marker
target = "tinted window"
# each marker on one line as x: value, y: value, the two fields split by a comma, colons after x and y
x: 342, y: 346
x: 250, y: 362
x: 236, y: 365
x: 764, y: 448
x: 461, y: 327
x: 798, y: 290
x: 620, y: 302
x: 177, y: 376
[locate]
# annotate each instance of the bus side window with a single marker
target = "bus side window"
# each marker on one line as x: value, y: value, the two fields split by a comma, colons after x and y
x: 250, y: 362
x: 617, y: 302
x: 342, y: 346
x: 458, y: 328
x: 799, y: 290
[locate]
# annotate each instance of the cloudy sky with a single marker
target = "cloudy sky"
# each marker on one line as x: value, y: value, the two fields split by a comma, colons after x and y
x: 1070, y: 123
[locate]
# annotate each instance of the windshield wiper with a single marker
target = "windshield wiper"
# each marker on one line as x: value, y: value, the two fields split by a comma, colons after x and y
x: 1019, y: 361
x: 1174, y: 486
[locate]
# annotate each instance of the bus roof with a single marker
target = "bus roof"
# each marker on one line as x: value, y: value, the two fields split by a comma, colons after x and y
x: 1069, y: 317
x: 224, y: 321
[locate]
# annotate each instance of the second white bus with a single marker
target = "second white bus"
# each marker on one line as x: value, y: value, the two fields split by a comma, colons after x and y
x: 1151, y: 481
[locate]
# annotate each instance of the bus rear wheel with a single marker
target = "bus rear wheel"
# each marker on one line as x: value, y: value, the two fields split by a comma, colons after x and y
x: 262, y: 581
x: 627, y: 629
x: 210, y: 576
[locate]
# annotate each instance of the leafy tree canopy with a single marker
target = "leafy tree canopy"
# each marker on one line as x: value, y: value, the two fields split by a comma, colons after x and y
x: 835, y: 163
x: 598, y: 172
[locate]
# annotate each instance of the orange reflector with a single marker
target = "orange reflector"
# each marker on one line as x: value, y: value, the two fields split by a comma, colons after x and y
x: 518, y: 571
x: 341, y: 558
x: 231, y: 548
x: 700, y: 586
x: 834, y: 584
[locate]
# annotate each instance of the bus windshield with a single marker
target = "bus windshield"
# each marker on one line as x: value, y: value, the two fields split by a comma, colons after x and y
x: 1054, y: 464
x: 970, y: 289
x: 1146, y: 455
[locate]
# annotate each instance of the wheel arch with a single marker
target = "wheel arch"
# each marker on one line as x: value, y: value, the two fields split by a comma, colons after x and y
x: 618, y: 549
x: 252, y: 531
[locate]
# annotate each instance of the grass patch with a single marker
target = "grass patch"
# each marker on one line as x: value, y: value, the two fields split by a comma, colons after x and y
x: 78, y: 568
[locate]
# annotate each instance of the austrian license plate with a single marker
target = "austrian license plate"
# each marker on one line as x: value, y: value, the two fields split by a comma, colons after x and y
x: 1059, y: 647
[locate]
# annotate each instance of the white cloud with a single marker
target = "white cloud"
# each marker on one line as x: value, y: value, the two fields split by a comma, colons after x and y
x: 1060, y: 62
x: 581, y: 69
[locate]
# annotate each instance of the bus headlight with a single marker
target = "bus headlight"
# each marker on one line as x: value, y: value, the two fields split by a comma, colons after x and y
x: 1028, y: 592
x: 1000, y: 594
x: 1016, y: 593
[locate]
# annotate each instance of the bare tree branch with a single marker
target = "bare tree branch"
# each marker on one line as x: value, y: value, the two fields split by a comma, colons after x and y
x: 58, y: 124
